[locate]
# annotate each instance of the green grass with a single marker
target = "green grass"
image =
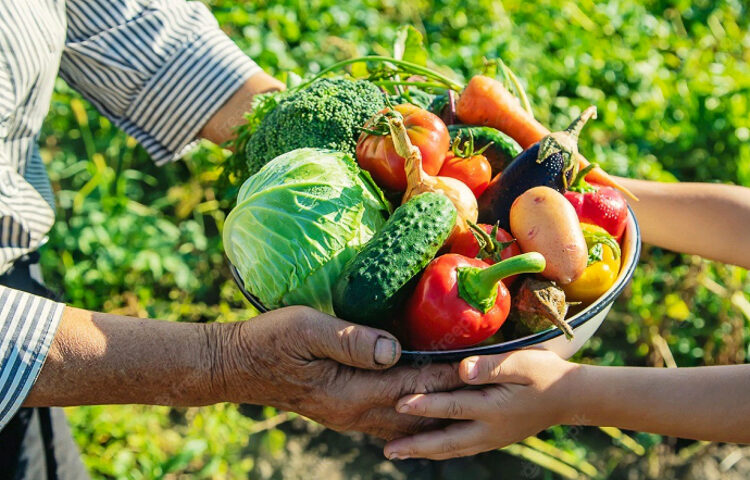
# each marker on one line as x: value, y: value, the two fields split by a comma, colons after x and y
x: 672, y: 84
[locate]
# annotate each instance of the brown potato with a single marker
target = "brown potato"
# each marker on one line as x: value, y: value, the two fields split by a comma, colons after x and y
x: 542, y: 220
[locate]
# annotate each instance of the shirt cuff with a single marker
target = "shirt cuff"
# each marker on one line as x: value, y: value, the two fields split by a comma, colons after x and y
x: 27, y: 326
x: 167, y: 115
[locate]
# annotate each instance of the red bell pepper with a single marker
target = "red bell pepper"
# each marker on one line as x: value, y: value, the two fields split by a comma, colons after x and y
x: 598, y: 205
x: 460, y: 301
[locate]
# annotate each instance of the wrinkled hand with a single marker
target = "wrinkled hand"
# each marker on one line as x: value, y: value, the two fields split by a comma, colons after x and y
x: 326, y: 369
x: 526, y: 393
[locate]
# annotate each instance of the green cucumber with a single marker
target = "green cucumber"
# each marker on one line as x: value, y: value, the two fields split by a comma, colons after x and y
x: 502, y: 151
x: 375, y: 283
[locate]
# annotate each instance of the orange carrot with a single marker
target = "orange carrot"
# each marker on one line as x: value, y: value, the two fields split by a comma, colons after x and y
x: 486, y: 101
x: 599, y: 176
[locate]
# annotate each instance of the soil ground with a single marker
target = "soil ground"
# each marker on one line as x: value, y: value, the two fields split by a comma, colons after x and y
x: 313, y: 452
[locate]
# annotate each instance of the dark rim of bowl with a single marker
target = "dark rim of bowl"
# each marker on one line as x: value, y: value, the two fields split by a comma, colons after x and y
x: 523, y: 342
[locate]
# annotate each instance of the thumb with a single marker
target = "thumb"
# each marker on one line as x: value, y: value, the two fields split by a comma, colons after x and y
x: 504, y: 368
x: 354, y: 345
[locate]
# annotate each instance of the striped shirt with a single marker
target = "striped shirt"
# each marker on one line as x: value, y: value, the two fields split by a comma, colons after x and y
x: 157, y: 68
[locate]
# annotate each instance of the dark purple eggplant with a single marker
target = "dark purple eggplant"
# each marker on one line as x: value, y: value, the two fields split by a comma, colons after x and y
x: 551, y: 162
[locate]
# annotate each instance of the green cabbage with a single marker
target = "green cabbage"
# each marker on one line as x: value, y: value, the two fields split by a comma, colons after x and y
x: 297, y: 222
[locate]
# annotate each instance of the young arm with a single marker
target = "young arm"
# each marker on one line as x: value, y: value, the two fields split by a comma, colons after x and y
x: 528, y: 391
x: 710, y: 220
x: 702, y: 403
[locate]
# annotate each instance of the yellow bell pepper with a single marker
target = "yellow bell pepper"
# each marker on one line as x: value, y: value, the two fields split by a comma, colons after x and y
x: 600, y: 274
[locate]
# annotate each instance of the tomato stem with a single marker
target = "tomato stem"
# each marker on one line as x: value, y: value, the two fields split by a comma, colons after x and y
x: 478, y: 286
x: 489, y: 245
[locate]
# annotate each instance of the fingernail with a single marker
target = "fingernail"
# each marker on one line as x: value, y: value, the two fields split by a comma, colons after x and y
x: 472, y: 372
x: 397, y: 456
x: 385, y: 351
x: 408, y: 405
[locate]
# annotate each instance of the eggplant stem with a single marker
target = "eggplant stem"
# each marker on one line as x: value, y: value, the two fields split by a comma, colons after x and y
x: 574, y: 129
x: 566, y: 144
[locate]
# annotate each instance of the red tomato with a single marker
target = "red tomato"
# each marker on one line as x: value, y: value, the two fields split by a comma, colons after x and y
x: 474, y: 171
x: 376, y: 154
x: 466, y: 244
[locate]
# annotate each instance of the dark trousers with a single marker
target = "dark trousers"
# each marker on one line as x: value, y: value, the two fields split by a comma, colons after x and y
x: 37, y: 443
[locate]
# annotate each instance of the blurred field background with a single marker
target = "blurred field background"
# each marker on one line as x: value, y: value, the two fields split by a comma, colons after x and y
x: 671, y: 80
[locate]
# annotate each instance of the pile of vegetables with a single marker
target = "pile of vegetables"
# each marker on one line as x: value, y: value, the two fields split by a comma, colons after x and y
x: 497, y: 217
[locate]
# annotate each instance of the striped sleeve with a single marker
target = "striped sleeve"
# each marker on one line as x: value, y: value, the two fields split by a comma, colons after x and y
x: 158, y: 68
x: 25, y: 216
x: 27, y: 325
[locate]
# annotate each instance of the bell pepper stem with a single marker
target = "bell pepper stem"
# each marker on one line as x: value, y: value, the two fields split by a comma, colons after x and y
x: 594, y: 238
x: 580, y: 184
x: 478, y: 286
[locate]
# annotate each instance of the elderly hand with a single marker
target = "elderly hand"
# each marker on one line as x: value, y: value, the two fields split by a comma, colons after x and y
x: 525, y: 393
x: 326, y: 369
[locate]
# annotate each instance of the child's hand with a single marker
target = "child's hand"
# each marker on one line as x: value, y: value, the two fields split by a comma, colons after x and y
x: 526, y: 393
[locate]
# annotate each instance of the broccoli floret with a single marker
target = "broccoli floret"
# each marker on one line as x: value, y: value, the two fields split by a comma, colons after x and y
x: 327, y: 114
